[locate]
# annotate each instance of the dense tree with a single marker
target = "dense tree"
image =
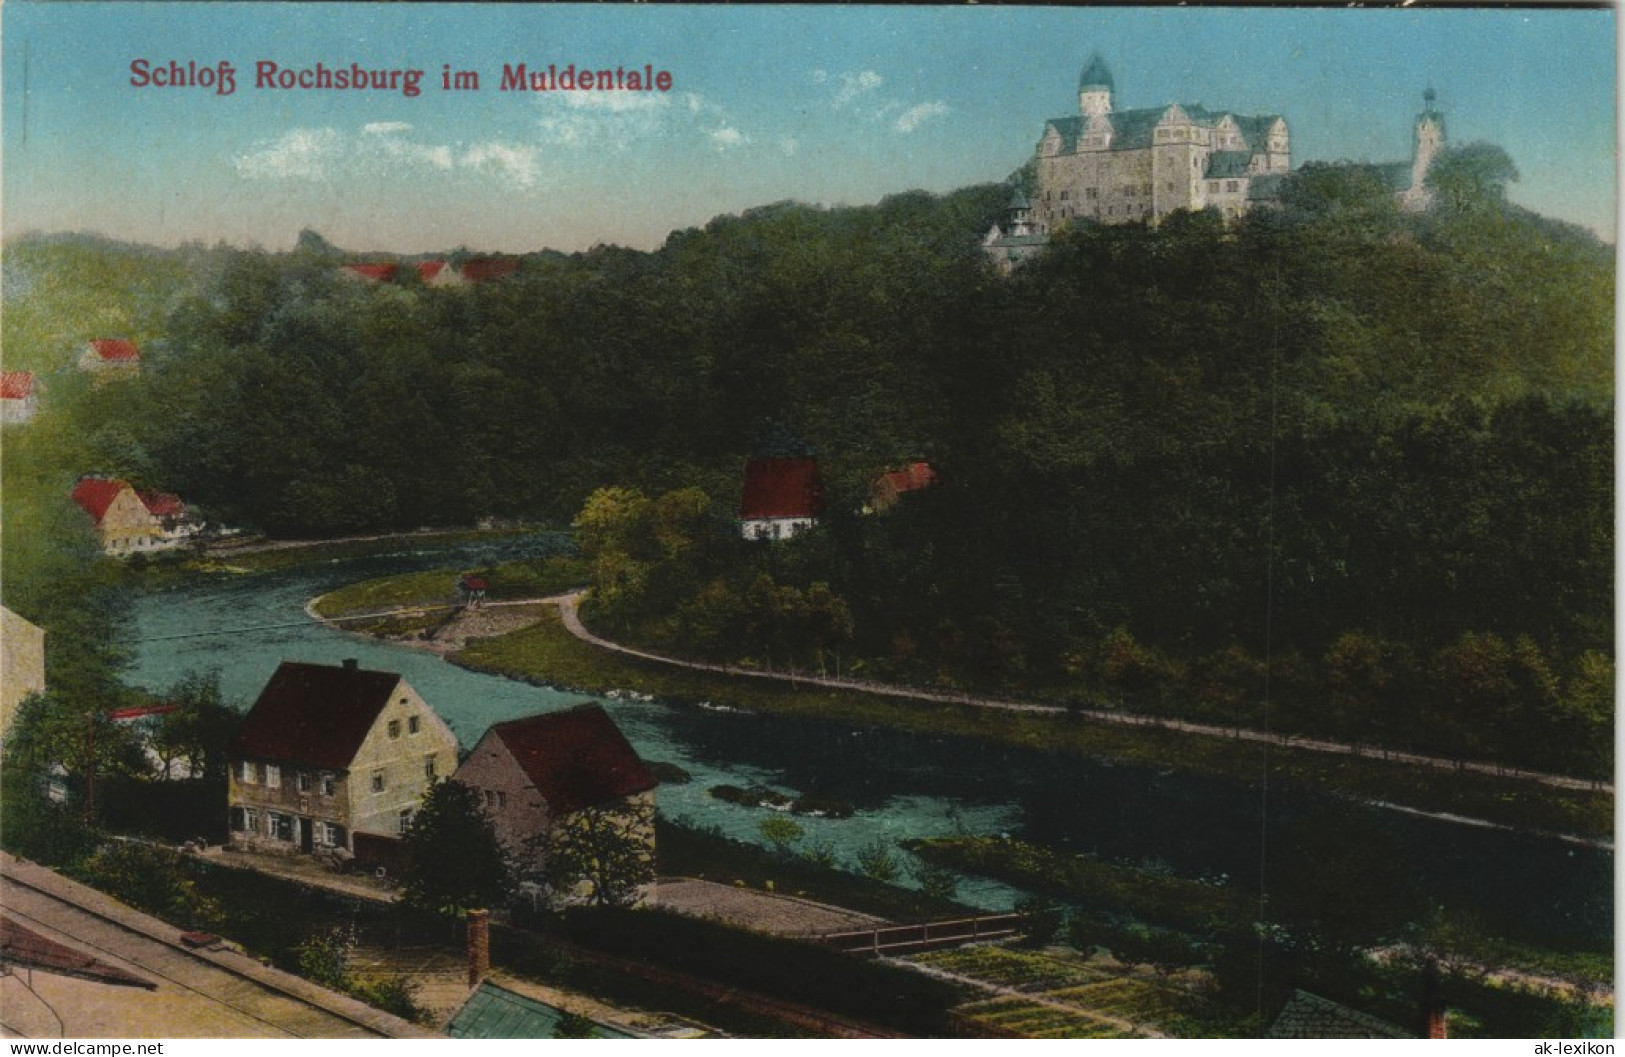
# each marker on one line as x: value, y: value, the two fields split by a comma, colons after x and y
x: 603, y: 852
x: 454, y: 861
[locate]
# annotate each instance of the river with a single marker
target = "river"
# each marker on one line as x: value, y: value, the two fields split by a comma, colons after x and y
x: 907, y: 785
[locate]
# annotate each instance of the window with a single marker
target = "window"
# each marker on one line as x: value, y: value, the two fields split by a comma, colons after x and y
x: 428, y: 767
x: 394, y: 728
x: 245, y: 772
x: 304, y: 781
x: 329, y: 833
x: 281, y: 826
x: 412, y: 725
x: 406, y: 820
x: 239, y: 820
x: 1091, y: 192
x: 378, y: 782
x: 1212, y: 186
x: 1065, y: 195
x: 251, y: 820
x: 502, y: 800
x: 273, y: 776
x: 329, y: 784
x: 1232, y: 185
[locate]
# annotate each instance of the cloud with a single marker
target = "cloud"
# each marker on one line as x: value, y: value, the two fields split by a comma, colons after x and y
x: 915, y: 116
x: 516, y: 162
x: 298, y: 154
x: 728, y: 137
x: 855, y: 86
x: 321, y: 154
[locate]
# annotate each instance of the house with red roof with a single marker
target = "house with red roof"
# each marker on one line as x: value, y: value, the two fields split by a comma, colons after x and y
x: 891, y: 486
x: 438, y: 273
x: 376, y: 272
x: 110, y: 358
x: 329, y: 752
x: 485, y: 269
x: 535, y: 774
x: 19, y: 396
x: 123, y: 522
x: 781, y: 498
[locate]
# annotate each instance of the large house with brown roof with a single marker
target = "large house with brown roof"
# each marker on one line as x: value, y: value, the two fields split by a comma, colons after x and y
x: 534, y: 773
x: 327, y: 752
x: 781, y: 498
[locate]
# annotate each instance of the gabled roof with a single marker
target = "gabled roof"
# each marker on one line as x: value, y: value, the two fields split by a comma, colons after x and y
x: 575, y: 758
x: 777, y: 488
x: 16, y: 385
x: 115, y: 350
x: 429, y: 269
x: 1308, y: 1016
x: 162, y: 504
x: 1227, y: 163
x: 20, y: 945
x: 1135, y: 129
x: 482, y: 269
x: 313, y: 714
x: 380, y: 272
x: 95, y: 494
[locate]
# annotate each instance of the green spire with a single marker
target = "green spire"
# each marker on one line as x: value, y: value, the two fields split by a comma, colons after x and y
x: 1095, y: 74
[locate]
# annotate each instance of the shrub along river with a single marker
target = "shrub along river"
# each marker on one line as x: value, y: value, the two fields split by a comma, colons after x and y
x: 906, y: 785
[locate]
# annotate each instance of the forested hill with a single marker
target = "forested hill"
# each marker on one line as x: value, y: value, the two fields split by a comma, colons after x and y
x: 1397, y: 424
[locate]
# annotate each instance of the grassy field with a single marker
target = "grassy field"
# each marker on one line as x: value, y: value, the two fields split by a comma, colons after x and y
x: 547, y: 653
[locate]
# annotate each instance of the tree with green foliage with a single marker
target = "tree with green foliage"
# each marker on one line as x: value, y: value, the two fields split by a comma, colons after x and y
x: 604, y: 853
x: 876, y: 860
x: 454, y: 861
x: 781, y: 832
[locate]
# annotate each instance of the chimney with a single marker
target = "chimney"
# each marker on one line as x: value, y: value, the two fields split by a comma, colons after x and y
x: 351, y: 664
x: 1437, y: 1028
x: 479, y: 946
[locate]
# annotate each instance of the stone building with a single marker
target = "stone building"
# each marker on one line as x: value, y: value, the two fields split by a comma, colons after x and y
x: 1115, y: 166
x: 328, y: 752
x: 533, y: 774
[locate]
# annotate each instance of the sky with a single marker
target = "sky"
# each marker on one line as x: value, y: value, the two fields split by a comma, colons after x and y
x: 822, y: 104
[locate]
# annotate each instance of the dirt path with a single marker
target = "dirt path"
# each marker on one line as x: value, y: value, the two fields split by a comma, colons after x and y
x: 569, y: 612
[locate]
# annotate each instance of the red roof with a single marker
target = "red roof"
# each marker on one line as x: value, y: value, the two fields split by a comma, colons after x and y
x: 480, y: 269
x: 163, y: 504
x: 313, y: 714
x: 576, y: 758
x: 20, y: 945
x: 429, y: 269
x: 140, y: 711
x: 16, y: 385
x: 781, y: 488
x: 915, y: 477
x: 95, y: 494
x: 115, y: 350
x: 382, y: 272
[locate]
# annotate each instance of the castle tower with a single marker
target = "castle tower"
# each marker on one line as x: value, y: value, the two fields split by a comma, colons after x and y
x: 1095, y: 88
x: 1428, y: 141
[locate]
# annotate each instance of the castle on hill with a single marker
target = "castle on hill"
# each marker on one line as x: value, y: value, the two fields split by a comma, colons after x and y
x: 1116, y: 166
